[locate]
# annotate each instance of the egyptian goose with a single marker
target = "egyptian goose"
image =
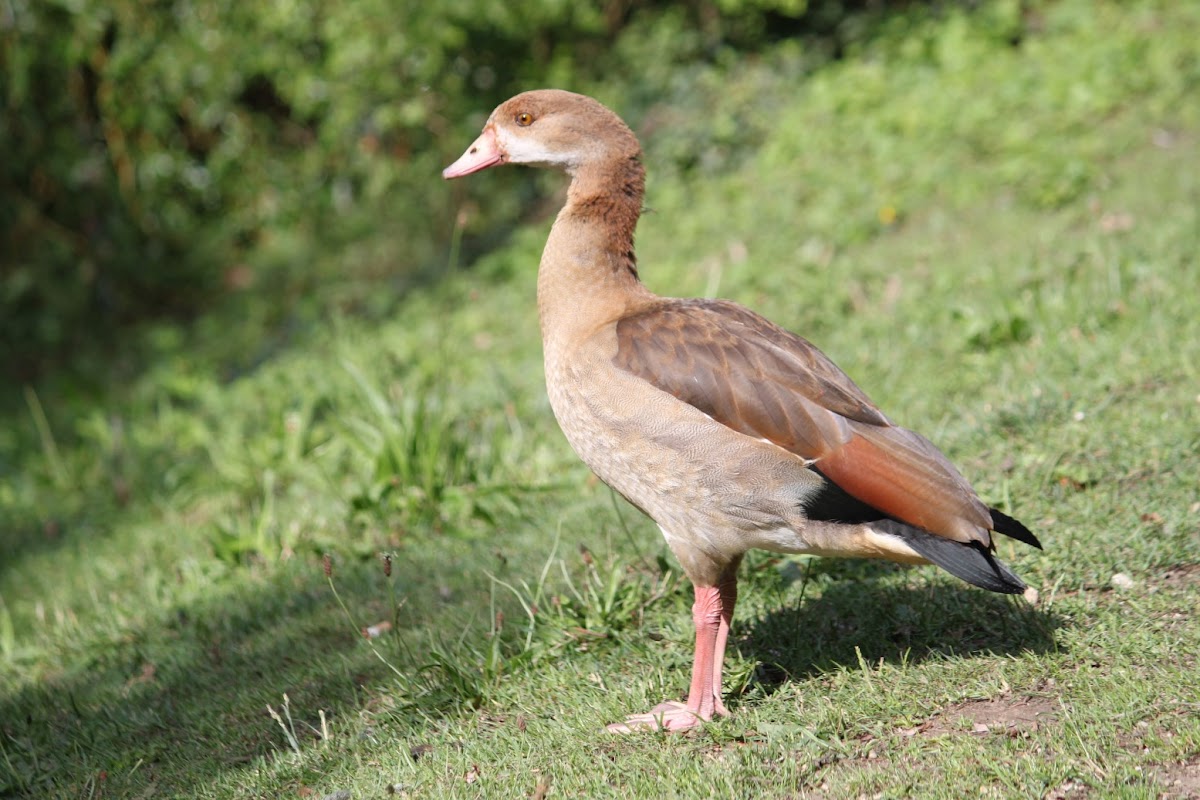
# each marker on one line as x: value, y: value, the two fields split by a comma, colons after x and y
x: 727, y: 430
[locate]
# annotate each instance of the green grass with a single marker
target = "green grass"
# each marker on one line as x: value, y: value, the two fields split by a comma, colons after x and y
x: 999, y: 243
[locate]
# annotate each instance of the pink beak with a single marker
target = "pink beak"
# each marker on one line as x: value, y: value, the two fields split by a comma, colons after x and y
x: 483, y: 153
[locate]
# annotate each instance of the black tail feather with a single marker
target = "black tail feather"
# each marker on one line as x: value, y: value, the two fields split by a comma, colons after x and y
x: 971, y: 562
x: 1003, y: 523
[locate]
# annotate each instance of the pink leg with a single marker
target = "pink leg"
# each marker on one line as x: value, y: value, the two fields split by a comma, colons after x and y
x: 728, y: 589
x: 707, y: 616
x: 712, y: 613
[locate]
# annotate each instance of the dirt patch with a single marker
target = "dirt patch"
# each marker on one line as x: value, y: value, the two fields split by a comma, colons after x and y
x: 1071, y: 790
x: 1178, y: 583
x: 1181, y: 575
x: 1009, y: 715
x: 1177, y: 780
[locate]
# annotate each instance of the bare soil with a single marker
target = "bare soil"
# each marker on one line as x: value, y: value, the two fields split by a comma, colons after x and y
x: 1010, y: 715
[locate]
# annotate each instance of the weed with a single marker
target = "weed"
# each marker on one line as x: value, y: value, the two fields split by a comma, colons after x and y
x: 426, y: 459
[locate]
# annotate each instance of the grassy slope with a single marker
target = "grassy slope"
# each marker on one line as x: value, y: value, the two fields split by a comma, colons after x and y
x: 998, y: 244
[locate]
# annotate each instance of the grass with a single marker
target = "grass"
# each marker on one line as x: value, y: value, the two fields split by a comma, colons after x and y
x: 999, y: 244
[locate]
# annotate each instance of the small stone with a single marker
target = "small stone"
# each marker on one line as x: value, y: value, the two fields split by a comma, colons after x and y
x: 1121, y: 582
x: 1031, y: 595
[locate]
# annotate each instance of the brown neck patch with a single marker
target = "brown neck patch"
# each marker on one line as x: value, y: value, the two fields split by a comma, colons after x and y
x: 609, y: 194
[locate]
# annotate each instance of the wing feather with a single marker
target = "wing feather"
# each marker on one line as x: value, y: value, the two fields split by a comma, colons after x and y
x: 761, y: 380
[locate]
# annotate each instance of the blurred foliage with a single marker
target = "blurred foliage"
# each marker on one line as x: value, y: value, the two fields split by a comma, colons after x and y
x: 945, y: 106
x: 161, y: 155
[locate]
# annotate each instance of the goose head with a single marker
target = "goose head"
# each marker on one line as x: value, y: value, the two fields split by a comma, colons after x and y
x: 548, y: 128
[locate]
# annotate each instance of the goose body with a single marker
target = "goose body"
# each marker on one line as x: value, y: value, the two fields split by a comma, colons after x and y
x: 728, y: 431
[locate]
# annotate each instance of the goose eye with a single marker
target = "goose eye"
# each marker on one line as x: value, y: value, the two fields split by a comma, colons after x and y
x: 524, y: 119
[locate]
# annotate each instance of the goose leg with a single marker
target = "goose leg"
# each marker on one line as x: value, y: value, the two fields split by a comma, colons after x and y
x: 711, y: 613
x: 728, y: 589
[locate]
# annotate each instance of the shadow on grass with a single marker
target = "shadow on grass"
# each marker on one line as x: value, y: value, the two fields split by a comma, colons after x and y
x: 180, y: 705
x: 858, y: 616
